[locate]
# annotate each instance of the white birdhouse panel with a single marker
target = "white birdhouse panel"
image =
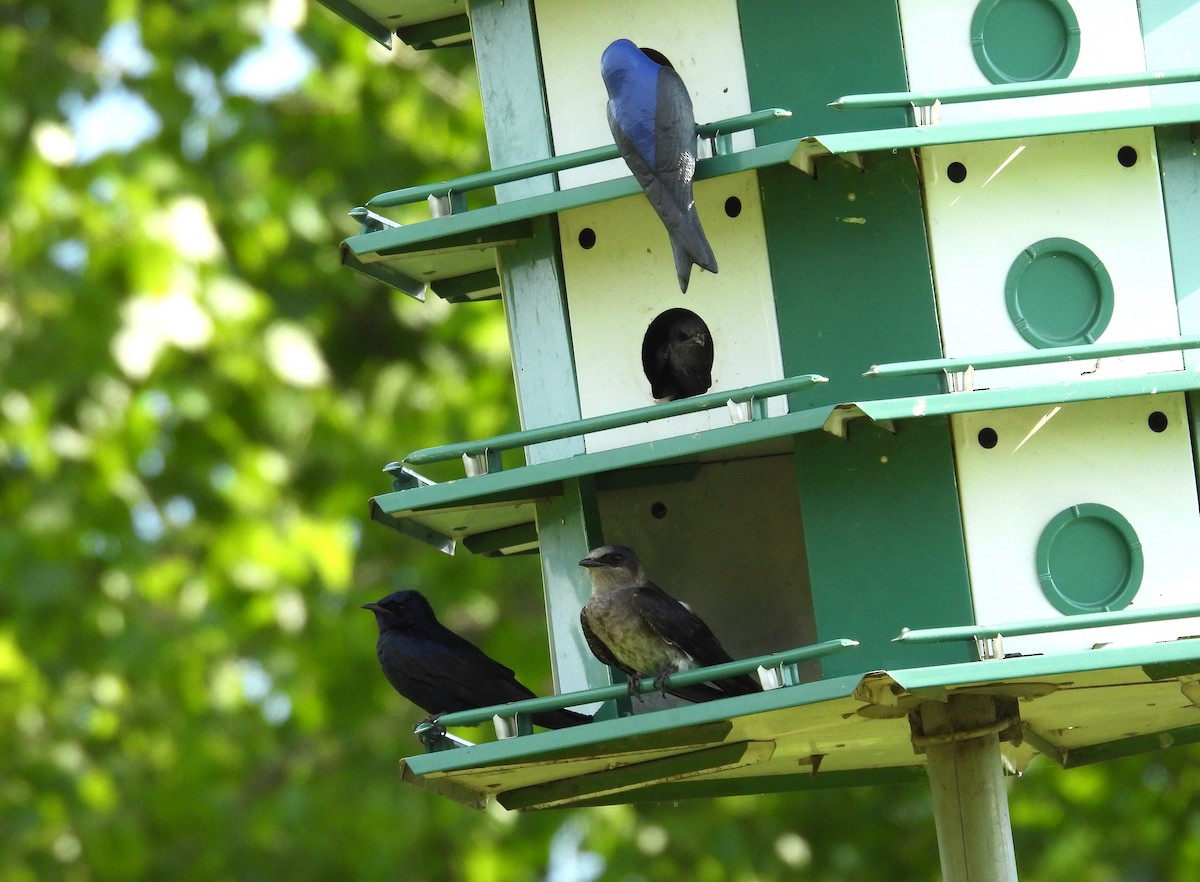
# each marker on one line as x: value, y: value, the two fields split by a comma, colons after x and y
x: 620, y: 277
x: 1046, y: 242
x: 1080, y: 508
x: 956, y: 44
x: 573, y: 34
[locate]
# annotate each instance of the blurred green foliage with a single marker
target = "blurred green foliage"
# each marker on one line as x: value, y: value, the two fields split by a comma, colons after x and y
x: 195, y: 402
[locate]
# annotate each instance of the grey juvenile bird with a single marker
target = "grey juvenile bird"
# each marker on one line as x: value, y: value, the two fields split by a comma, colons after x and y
x: 441, y: 672
x: 632, y: 624
x: 682, y: 364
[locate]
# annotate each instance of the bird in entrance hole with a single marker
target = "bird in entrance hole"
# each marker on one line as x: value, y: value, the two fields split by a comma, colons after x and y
x: 651, y: 118
x: 632, y: 624
x: 441, y: 672
x: 681, y: 364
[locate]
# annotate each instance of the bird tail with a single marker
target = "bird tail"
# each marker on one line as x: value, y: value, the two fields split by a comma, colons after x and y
x: 560, y: 719
x: 697, y: 692
x: 743, y: 685
x: 690, y: 246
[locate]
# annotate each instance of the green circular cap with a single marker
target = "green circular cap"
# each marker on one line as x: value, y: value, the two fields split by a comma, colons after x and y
x: 1016, y: 41
x: 1089, y: 560
x: 1059, y: 294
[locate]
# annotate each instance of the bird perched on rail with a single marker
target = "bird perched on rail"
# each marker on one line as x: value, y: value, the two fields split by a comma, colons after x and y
x: 681, y: 364
x: 650, y: 114
x: 441, y: 672
x: 632, y: 624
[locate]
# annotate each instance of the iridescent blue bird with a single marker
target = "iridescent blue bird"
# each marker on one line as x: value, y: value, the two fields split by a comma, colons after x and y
x: 650, y: 114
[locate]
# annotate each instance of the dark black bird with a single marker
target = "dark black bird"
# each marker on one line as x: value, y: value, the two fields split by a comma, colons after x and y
x: 441, y: 672
x: 651, y: 118
x: 682, y: 364
x: 632, y: 624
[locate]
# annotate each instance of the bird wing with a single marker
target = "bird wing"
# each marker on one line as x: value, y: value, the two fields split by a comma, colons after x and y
x: 674, y: 138
x: 682, y: 628
x: 467, y: 657
x: 442, y: 672
x: 678, y: 625
x: 637, y: 162
x: 668, y: 181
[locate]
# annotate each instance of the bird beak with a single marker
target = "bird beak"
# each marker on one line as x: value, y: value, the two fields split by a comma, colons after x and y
x: 372, y: 606
x: 589, y: 563
x: 700, y: 339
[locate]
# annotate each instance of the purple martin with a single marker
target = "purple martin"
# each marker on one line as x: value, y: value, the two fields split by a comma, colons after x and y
x: 681, y: 366
x: 632, y: 624
x: 650, y: 114
x: 441, y: 672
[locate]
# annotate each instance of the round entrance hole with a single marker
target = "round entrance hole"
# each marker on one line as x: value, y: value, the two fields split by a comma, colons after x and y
x: 677, y: 355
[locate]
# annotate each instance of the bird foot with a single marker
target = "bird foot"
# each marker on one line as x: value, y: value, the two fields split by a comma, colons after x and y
x: 660, y: 682
x: 429, y: 730
x: 633, y: 690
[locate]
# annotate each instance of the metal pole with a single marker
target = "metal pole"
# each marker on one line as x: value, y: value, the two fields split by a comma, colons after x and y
x: 970, y: 805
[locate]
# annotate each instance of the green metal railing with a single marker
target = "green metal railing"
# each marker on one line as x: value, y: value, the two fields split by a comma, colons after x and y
x: 716, y: 130
x: 606, y: 693
x: 1042, y: 356
x: 490, y: 449
x: 1046, y: 626
x: 499, y: 443
x: 1018, y: 90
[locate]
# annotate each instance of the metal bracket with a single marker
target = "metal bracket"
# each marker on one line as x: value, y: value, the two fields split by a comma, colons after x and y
x: 435, y: 737
x: 511, y: 727
x: 961, y: 381
x: 1007, y: 724
x: 928, y: 114
x: 404, y: 478
x: 778, y: 676
x: 990, y: 647
x: 369, y: 221
x: 484, y: 463
x: 447, y: 204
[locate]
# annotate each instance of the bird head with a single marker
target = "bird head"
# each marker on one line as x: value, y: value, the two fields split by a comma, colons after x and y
x: 401, y: 610
x: 613, y: 566
x: 689, y: 333
x: 622, y: 57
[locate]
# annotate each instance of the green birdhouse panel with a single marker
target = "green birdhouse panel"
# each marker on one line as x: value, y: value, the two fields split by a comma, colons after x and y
x: 1177, y: 147
x: 953, y: 44
x: 1170, y: 28
x: 850, y: 272
x: 802, y: 56
x: 1046, y: 242
x: 883, y: 532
